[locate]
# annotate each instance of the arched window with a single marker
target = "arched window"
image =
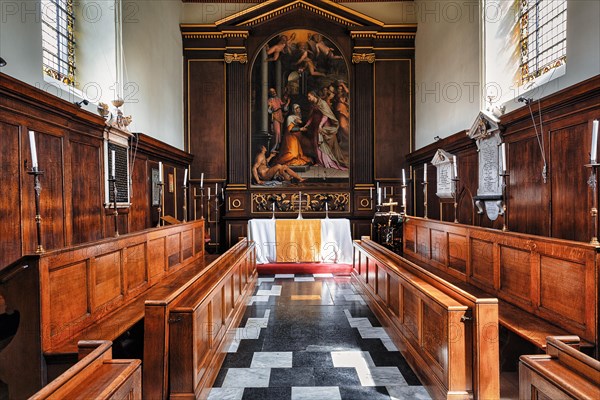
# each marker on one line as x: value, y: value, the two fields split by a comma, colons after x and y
x: 58, y: 42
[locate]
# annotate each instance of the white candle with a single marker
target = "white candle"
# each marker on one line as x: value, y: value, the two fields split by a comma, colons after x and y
x: 384, y: 193
x: 503, y: 153
x: 202, y: 180
x: 273, y: 207
x: 185, y: 177
x: 404, y: 197
x: 209, y: 193
x: 378, y: 195
x: 425, y: 172
x: 160, y: 172
x: 455, y: 167
x: 113, y: 163
x: 594, y: 141
x: 326, y: 208
x: 370, y: 192
x: 216, y: 189
x: 403, y: 177
x: 222, y: 194
x: 300, y: 206
x: 34, y: 160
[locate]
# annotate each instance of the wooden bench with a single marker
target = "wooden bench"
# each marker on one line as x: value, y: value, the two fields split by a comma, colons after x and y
x: 185, y: 332
x: 562, y: 373
x: 448, y: 336
x: 546, y: 286
x: 96, y: 376
x: 90, y: 291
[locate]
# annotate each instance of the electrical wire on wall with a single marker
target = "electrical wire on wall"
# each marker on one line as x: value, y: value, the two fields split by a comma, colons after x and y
x: 539, y: 135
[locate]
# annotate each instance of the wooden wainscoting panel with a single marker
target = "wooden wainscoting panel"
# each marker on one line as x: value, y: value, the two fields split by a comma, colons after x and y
x: 87, y: 191
x: 439, y: 248
x: 108, y: 284
x: 202, y: 345
x: 410, y: 239
x: 69, y: 301
x: 382, y: 284
x: 174, y: 249
x: 10, y: 234
x: 135, y: 266
x: 139, y: 211
x: 569, y: 182
x: 434, y: 319
x: 423, y: 242
x: 410, y: 301
x: 372, y: 274
x: 482, y: 262
x: 515, y: 274
x: 156, y: 257
x: 457, y: 253
x: 560, y: 281
x: 187, y: 244
x: 394, y: 296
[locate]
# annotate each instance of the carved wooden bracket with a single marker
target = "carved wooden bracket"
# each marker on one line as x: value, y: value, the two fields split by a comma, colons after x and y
x: 363, y: 57
x: 242, y: 58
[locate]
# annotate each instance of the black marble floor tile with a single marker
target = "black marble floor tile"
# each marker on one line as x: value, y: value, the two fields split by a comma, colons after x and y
x: 364, y: 392
x: 336, y: 377
x: 315, y: 359
x: 370, y: 345
x: 220, y: 377
x: 251, y: 345
x: 270, y: 393
x: 395, y: 359
x: 239, y: 359
x: 288, y: 377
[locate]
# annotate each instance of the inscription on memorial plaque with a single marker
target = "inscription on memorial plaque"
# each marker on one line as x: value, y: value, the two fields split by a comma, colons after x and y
x: 443, y: 163
x: 486, y: 132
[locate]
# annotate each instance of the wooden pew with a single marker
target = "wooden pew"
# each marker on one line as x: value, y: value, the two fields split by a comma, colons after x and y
x: 546, y: 286
x: 90, y: 291
x: 185, y: 334
x: 96, y: 376
x: 449, y: 336
x: 562, y: 373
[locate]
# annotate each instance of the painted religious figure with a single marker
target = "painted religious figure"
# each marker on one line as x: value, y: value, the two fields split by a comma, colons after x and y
x: 300, y: 109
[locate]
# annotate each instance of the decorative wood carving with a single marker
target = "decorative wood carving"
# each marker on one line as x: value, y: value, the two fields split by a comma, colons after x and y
x: 242, y: 58
x: 363, y: 57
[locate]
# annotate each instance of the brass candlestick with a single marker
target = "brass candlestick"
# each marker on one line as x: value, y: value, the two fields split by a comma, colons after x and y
x: 184, y: 187
x: 593, y: 184
x: 37, y: 187
x: 160, y: 203
x: 455, y: 196
x: 425, y: 199
x: 113, y: 181
x: 504, y: 201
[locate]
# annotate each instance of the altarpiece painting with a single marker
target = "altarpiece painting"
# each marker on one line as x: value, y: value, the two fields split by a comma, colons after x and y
x: 300, y: 110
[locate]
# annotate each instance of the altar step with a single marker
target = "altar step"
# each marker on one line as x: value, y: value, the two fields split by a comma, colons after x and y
x: 304, y: 268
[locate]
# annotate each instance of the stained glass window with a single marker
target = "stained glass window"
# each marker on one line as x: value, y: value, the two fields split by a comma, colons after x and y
x: 543, y: 37
x: 58, y: 42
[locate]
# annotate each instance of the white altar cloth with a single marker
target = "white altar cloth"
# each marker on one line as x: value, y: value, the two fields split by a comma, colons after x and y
x: 336, y: 240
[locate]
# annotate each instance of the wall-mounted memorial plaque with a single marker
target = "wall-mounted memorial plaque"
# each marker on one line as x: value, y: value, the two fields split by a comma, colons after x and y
x: 445, y: 185
x: 486, y: 131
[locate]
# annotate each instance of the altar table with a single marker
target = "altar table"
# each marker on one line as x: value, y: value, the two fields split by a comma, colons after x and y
x: 302, y: 240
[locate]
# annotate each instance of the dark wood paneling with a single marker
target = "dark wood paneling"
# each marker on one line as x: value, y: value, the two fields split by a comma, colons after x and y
x: 528, y: 194
x: 206, y: 118
x: 393, y: 113
x: 10, y: 234
x: 87, y: 191
x: 237, y: 118
x: 362, y: 124
x: 569, y: 177
x: 139, y: 212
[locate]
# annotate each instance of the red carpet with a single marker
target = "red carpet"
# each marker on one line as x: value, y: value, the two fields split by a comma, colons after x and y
x: 304, y: 268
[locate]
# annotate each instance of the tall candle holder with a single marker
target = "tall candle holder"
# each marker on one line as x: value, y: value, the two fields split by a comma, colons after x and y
x: 425, y: 212
x: 593, y: 185
x: 113, y: 182
x: 217, y: 207
x: 184, y: 187
x: 37, y: 187
x: 455, y: 197
x: 160, y: 203
x: 404, y: 187
x: 504, y: 176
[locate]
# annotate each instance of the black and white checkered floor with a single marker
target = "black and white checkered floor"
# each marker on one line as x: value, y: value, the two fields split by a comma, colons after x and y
x: 312, y: 337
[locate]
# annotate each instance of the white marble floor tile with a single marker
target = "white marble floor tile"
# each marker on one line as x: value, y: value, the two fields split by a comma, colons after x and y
x: 304, y: 279
x: 384, y: 376
x: 257, y: 299
x: 354, y: 359
x: 272, y: 359
x: 408, y: 392
x: 389, y: 344
x: 358, y: 322
x: 355, y: 297
x: 373, y: 333
x: 316, y: 393
x: 284, y: 276
x: 261, y: 280
x: 247, y: 377
x: 323, y: 275
x: 226, y: 394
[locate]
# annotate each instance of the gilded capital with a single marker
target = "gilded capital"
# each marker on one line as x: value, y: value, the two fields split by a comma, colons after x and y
x: 242, y: 58
x: 363, y: 57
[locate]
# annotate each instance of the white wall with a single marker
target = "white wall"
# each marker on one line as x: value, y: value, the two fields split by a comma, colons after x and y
x: 447, y: 72
x: 153, y: 73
